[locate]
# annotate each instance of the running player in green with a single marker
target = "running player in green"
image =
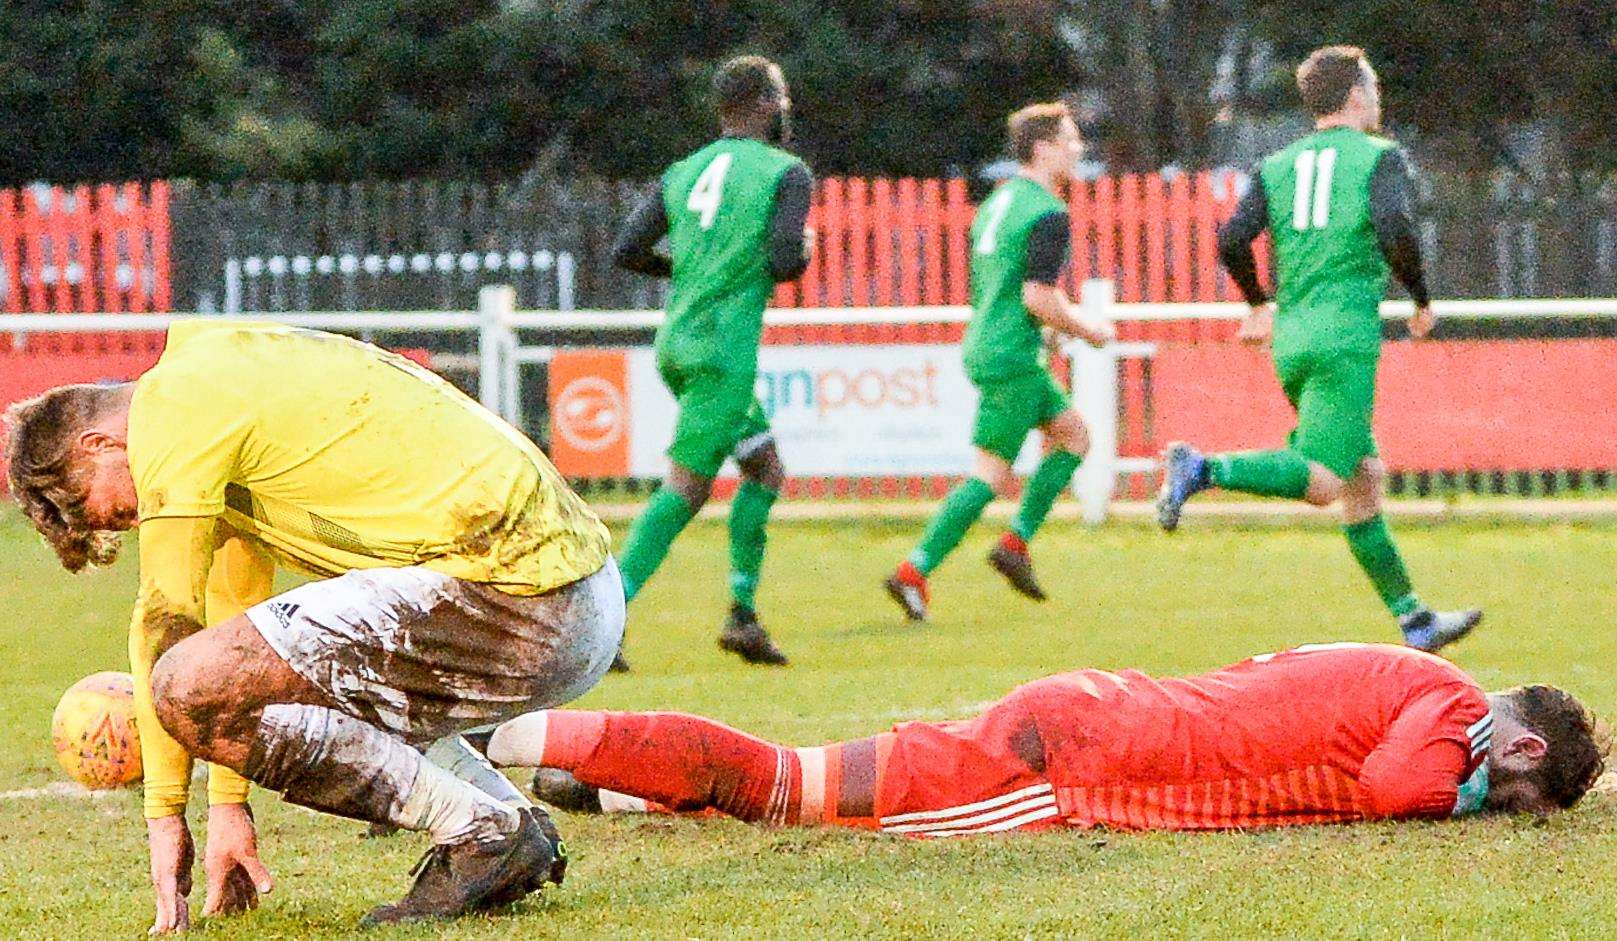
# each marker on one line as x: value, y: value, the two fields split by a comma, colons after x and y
x: 734, y: 214
x: 1338, y: 206
x: 1019, y: 244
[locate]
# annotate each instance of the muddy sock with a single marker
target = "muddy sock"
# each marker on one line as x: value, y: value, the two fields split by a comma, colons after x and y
x: 455, y: 756
x: 324, y: 760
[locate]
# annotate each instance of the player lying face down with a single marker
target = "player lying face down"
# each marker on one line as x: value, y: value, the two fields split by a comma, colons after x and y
x: 1325, y: 734
x: 463, y: 583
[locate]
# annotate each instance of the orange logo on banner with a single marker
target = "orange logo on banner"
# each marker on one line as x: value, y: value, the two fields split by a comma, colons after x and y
x: 589, y: 413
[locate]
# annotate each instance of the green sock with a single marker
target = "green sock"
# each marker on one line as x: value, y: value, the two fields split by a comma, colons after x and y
x: 749, y: 512
x: 1373, y: 548
x: 659, y: 523
x: 1051, y: 477
x: 959, y: 510
x: 1282, y: 473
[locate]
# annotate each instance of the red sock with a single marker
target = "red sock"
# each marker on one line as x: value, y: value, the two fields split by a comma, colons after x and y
x: 909, y: 574
x: 1014, y: 543
x: 689, y: 763
x: 571, y: 737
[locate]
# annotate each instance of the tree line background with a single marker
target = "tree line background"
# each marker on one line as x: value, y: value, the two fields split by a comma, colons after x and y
x: 335, y: 90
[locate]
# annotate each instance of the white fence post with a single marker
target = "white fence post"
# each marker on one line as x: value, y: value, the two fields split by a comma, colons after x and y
x: 495, y: 304
x: 1094, y: 387
x: 511, y: 391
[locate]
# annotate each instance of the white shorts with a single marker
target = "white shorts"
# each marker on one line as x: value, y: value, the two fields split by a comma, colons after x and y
x: 423, y: 654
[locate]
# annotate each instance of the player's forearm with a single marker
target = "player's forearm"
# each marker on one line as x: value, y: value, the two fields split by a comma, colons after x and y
x: 1404, y: 258
x: 1235, y: 239
x: 166, y: 766
x: 636, y: 246
x: 1242, y: 265
x: 243, y: 575
x: 1049, y: 306
x: 1392, y: 216
x: 788, y: 244
x: 175, y: 557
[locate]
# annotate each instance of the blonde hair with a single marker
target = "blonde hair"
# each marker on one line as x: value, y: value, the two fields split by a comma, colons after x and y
x: 44, y: 478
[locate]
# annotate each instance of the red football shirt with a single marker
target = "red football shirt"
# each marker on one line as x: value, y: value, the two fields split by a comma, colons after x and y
x: 1320, y: 734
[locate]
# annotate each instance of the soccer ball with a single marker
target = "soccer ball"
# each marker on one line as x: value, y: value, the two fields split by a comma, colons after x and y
x: 93, y: 731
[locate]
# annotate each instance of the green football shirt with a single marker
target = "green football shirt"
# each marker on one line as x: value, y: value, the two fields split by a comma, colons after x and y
x: 1330, y: 275
x: 719, y: 202
x: 1003, y: 339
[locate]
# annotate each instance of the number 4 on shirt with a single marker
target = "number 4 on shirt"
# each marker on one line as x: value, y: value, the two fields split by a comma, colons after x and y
x: 709, y: 190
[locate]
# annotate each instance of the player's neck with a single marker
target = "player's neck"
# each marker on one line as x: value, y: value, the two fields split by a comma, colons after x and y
x: 1331, y: 122
x: 1045, y: 178
x: 743, y: 131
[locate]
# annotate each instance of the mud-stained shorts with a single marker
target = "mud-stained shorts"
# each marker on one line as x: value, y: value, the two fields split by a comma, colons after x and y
x: 422, y: 654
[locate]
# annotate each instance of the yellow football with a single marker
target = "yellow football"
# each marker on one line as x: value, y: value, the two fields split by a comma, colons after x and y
x: 93, y: 731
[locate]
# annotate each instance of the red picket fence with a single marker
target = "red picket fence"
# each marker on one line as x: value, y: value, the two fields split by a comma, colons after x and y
x: 905, y: 243
x: 82, y: 249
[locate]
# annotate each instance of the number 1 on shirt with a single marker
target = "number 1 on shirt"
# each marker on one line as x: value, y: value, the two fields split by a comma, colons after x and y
x: 709, y: 190
x: 1313, y: 189
x: 996, y: 209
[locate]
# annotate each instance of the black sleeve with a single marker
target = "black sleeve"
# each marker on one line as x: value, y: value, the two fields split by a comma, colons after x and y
x: 636, y: 246
x: 788, y: 255
x: 1392, y: 214
x: 1047, y: 245
x: 1235, y: 240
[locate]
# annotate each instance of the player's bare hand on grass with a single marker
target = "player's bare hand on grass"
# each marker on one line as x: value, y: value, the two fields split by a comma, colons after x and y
x: 1422, y: 322
x: 236, y: 876
x: 173, y: 854
x: 1257, y: 326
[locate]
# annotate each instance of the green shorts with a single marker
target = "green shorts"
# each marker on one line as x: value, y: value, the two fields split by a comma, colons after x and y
x: 1012, y: 407
x: 717, y: 412
x: 1335, y: 396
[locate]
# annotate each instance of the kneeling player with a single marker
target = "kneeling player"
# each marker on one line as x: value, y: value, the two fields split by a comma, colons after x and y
x: 1326, y: 734
x: 464, y: 584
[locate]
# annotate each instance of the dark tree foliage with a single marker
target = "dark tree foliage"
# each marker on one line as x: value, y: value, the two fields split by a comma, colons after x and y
x: 1467, y: 73
x: 338, y: 89
x: 357, y: 89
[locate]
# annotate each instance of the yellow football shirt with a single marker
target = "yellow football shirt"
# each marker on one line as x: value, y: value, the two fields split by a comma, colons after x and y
x: 337, y: 455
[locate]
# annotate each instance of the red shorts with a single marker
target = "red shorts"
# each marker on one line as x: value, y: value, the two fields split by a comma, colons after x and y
x: 944, y: 778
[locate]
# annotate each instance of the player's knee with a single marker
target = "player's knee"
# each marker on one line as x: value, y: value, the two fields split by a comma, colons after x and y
x: 998, y: 476
x: 692, y: 487
x: 1324, y: 487
x: 1070, y: 434
x: 175, y: 695
x: 763, y: 466
x: 198, y: 696
x: 1361, y: 497
x: 1372, y: 474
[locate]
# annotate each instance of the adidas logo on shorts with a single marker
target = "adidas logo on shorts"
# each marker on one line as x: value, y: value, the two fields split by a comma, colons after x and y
x: 283, y: 611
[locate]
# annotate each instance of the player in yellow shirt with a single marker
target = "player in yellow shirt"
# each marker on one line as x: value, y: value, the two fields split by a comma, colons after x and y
x: 461, y: 583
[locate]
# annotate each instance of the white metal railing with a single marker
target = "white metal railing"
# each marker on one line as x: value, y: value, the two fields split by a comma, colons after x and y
x: 501, y: 352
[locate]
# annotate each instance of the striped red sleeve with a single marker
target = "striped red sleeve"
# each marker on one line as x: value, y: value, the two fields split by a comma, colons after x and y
x: 1433, y: 745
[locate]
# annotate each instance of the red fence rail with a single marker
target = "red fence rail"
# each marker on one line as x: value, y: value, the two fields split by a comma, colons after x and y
x: 904, y: 242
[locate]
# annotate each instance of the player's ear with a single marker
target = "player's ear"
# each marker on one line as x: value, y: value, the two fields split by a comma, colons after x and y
x: 93, y: 441
x: 1528, y: 749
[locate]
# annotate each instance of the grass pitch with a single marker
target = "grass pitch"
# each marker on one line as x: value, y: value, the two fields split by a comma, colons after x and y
x: 74, y: 867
